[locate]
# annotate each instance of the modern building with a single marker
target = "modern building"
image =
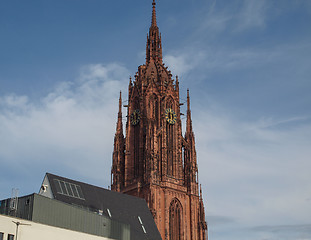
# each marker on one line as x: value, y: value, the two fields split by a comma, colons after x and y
x: 81, y: 207
x: 12, y: 228
x: 154, y: 161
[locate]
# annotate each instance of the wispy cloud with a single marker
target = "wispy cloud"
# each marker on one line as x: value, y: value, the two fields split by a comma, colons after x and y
x: 233, y: 16
x: 256, y: 166
x: 67, y: 130
x: 296, y: 232
x: 181, y: 63
x: 252, y: 15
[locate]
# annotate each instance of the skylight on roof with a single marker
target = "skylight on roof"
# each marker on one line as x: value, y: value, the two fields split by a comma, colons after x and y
x: 109, y: 213
x: 141, y: 223
x: 68, y: 189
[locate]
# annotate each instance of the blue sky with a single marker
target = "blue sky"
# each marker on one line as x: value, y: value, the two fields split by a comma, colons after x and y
x: 247, y: 65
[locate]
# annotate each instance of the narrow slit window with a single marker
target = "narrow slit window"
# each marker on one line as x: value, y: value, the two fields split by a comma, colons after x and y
x: 80, y: 193
x: 57, y: 186
x: 69, y: 189
x: 109, y: 213
x: 74, y: 190
x: 141, y: 223
x: 139, y: 219
x: 62, y: 184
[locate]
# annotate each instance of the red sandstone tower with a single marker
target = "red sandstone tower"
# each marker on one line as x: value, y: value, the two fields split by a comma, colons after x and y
x: 154, y: 161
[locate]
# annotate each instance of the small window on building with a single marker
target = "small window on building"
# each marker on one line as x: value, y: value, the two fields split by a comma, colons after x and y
x: 80, y: 192
x: 1, y: 236
x: 69, y: 190
x: 109, y: 213
x: 74, y: 191
x: 10, y: 237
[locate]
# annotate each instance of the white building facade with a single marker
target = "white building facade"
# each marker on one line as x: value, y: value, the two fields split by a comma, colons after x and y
x: 19, y: 229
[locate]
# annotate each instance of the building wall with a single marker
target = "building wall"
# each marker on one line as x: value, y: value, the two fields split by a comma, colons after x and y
x: 45, y: 189
x: 55, y: 213
x: 36, y: 231
x: 59, y: 214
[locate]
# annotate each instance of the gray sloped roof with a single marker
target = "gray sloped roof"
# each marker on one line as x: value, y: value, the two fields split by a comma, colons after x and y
x: 121, y: 207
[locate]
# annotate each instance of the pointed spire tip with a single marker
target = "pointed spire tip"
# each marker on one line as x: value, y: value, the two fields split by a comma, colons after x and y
x: 188, y: 107
x: 154, y: 18
x: 120, y: 103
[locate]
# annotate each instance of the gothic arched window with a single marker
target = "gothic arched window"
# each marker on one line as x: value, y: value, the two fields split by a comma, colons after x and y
x: 175, y: 220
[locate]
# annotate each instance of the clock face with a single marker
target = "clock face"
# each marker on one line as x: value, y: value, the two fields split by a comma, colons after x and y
x: 170, y: 116
x: 135, y: 117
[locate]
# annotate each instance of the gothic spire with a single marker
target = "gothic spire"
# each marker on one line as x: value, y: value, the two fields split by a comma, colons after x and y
x: 201, y: 192
x: 189, y: 121
x: 190, y: 153
x: 117, y: 170
x: 154, y: 46
x: 119, y: 123
x: 154, y: 17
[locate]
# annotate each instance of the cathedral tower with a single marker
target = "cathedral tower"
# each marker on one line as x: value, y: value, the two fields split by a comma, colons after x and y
x: 154, y: 161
